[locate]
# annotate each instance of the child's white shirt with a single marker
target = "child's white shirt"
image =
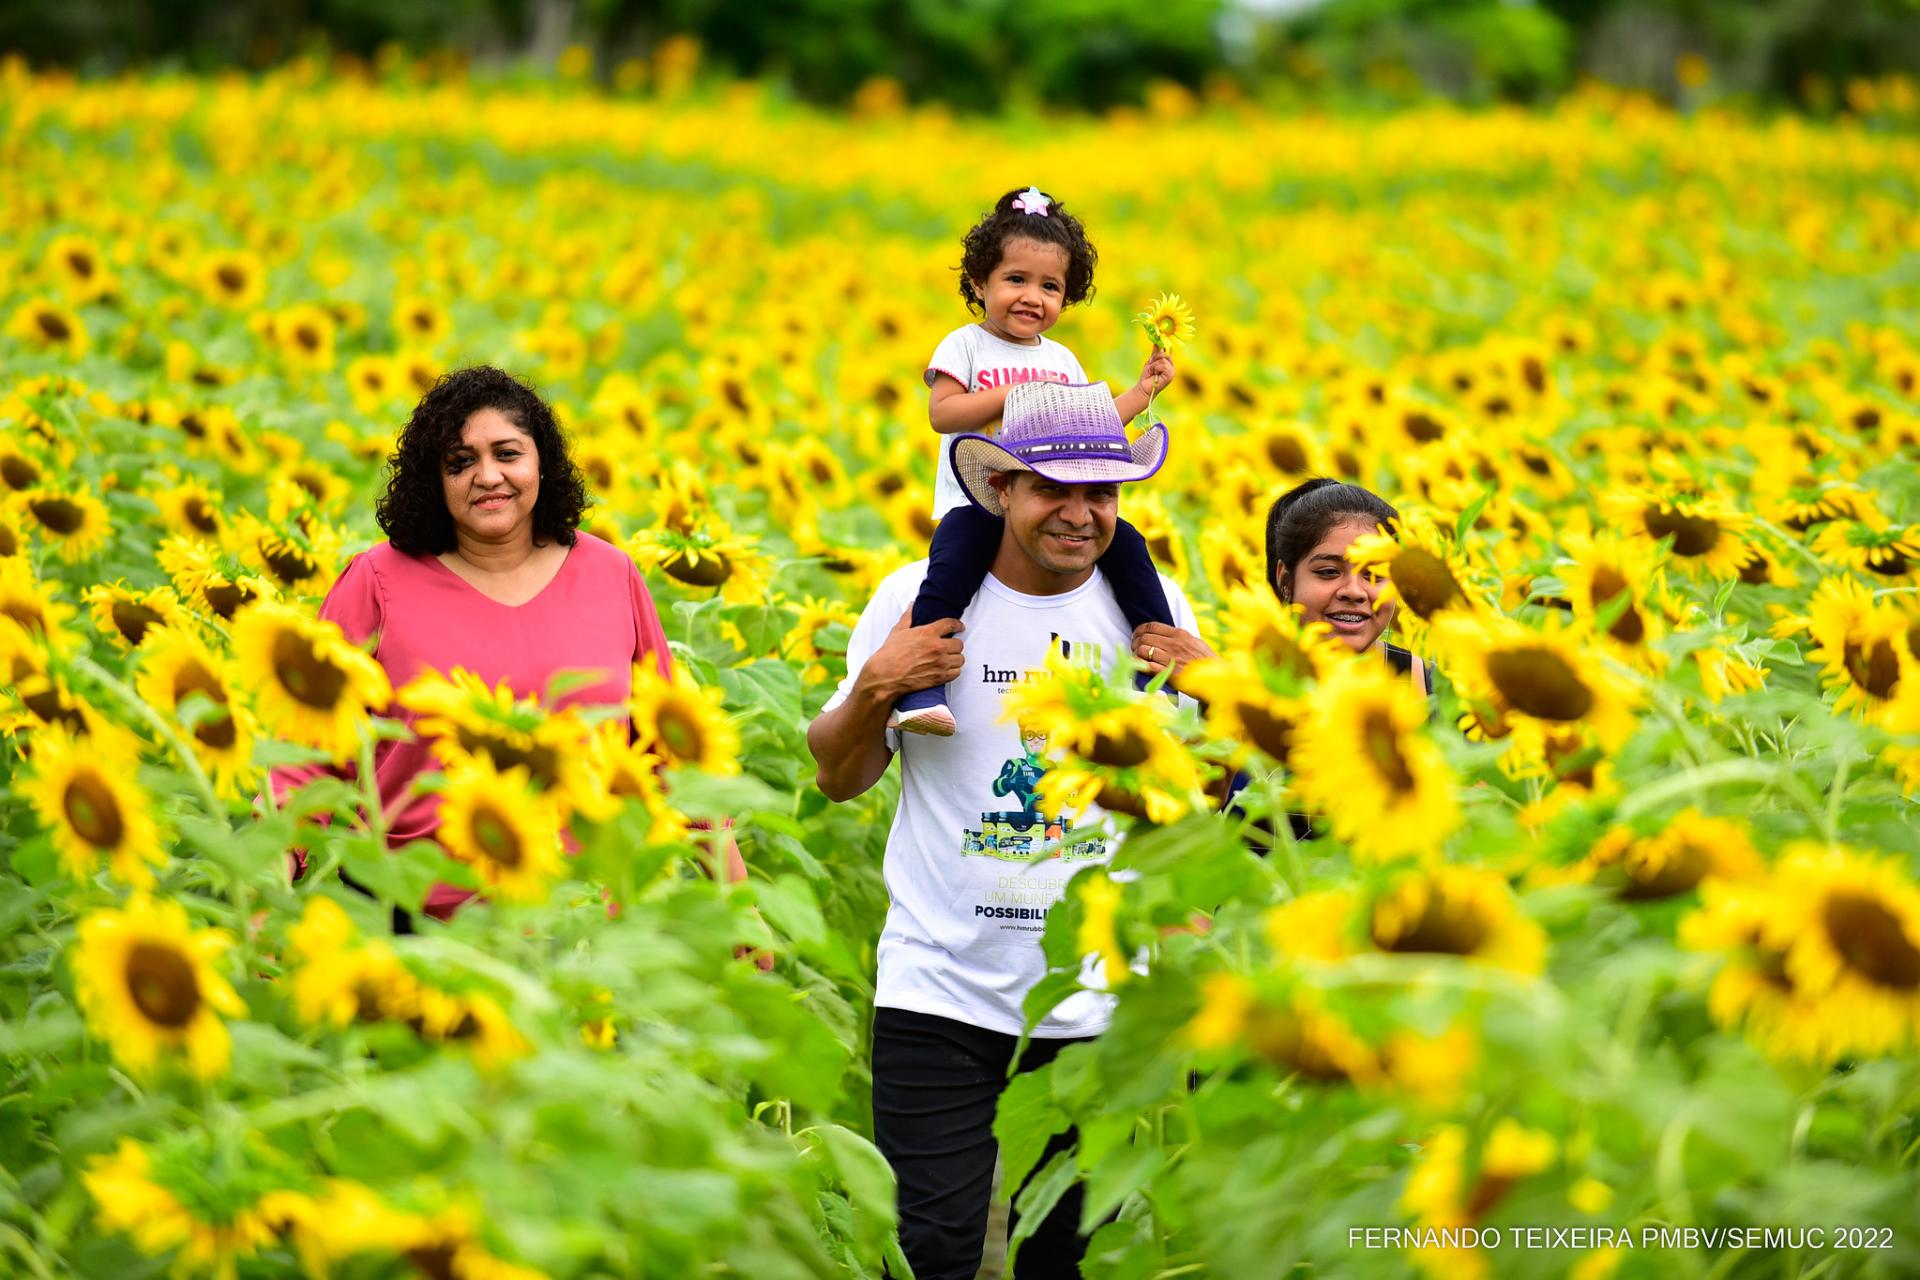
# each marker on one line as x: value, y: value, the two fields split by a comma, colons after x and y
x: 979, y: 361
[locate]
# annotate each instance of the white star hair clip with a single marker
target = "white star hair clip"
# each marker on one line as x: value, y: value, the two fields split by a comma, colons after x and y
x: 1032, y: 201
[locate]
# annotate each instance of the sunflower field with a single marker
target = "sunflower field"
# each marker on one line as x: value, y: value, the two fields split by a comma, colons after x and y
x: 1605, y: 964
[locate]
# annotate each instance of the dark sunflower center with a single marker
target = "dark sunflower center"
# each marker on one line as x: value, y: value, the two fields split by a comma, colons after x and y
x: 53, y: 325
x: 9, y: 543
x: 1756, y: 572
x: 1272, y: 734
x: 1444, y: 928
x: 231, y: 278
x: 435, y: 1262
x: 1424, y: 581
x: 131, y: 619
x: 1692, y: 535
x: 288, y: 563
x: 680, y: 733
x: 1872, y: 940
x: 497, y: 838
x: 1888, y: 562
x: 1121, y: 751
x: 1876, y: 670
x: 1421, y: 426
x: 1539, y: 683
x: 307, y: 337
x: 25, y: 611
x: 18, y: 472
x: 1608, y: 584
x: 307, y: 676
x: 215, y: 730
x: 1382, y: 744
x: 1287, y: 454
x: 709, y: 571
x: 93, y: 811
x: 1684, y: 868
x: 540, y: 762
x: 58, y: 515
x: 162, y: 984
x: 225, y: 598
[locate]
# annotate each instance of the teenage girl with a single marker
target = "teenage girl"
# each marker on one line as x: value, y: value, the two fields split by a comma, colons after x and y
x: 1020, y: 265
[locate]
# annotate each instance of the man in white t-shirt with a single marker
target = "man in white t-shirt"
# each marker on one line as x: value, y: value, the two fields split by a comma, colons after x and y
x: 971, y: 865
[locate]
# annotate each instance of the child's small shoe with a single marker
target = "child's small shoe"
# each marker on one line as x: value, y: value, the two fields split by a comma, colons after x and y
x: 923, y: 711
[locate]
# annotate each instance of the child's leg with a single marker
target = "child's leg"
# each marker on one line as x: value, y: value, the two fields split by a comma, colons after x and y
x: 963, y: 550
x: 1128, y: 567
x: 1129, y: 570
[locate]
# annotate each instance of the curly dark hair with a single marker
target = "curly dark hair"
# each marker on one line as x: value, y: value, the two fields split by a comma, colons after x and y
x: 981, y: 250
x: 1301, y: 518
x: 413, y: 510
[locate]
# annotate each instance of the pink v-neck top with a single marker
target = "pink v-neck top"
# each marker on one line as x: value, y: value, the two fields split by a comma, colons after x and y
x: 594, y: 616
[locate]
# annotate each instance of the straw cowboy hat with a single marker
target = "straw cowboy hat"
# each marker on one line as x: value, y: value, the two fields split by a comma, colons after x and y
x: 1069, y: 433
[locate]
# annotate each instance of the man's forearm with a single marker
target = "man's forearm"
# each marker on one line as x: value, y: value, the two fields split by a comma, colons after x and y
x: 849, y: 743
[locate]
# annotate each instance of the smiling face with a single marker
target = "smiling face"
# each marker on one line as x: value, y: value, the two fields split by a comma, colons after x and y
x: 491, y: 479
x: 1059, y: 530
x: 1022, y: 296
x: 1328, y: 589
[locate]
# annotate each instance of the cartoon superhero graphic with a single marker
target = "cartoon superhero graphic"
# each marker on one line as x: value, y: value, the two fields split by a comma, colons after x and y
x: 1022, y: 834
x: 1020, y: 777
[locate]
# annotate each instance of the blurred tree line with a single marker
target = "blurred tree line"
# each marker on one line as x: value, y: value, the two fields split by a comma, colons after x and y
x: 985, y: 54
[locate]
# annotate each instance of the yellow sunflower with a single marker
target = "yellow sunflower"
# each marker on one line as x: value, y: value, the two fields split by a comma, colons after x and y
x: 308, y: 682
x: 1441, y: 1195
x: 305, y: 334
x: 806, y: 642
x: 126, y: 616
x: 176, y: 665
x: 1602, y: 569
x: 339, y: 977
x: 1156, y: 525
x: 1168, y: 322
x: 1459, y: 911
x: 685, y: 725
x: 1362, y: 756
x: 81, y: 269
x: 46, y: 324
x: 1100, y: 900
x: 1871, y: 545
x: 1242, y: 708
x: 186, y: 1212
x: 84, y: 792
x: 147, y: 984
x: 29, y: 606
x: 1859, y: 643
x: 495, y: 822
x: 621, y: 771
x: 420, y: 322
x: 1674, y: 860
x: 1272, y: 635
x: 1231, y: 561
x: 235, y: 279
x: 1708, y: 532
x: 462, y: 719
x: 299, y: 561
x: 1537, y: 678
x: 210, y: 579
x: 70, y: 520
x: 708, y: 557
x: 1424, y: 572
x: 1819, y: 961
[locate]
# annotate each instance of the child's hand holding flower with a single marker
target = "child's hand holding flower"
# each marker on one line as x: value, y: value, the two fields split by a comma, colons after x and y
x: 1155, y: 374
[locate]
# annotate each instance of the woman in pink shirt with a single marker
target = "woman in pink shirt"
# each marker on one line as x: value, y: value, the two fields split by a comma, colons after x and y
x: 484, y: 569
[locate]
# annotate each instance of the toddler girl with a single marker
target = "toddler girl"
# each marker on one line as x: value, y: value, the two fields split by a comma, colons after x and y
x: 1020, y: 265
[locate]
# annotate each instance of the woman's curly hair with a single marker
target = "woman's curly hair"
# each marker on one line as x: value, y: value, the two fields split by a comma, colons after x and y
x: 984, y: 244
x: 413, y: 511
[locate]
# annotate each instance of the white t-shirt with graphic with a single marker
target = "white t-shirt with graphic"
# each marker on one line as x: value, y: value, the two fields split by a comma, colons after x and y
x: 979, y: 361
x: 968, y: 903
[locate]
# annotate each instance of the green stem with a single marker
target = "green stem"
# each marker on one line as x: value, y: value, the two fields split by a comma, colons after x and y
x: 138, y: 705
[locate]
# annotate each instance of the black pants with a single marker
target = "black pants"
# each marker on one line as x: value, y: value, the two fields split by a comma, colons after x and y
x: 967, y: 539
x: 935, y: 1084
